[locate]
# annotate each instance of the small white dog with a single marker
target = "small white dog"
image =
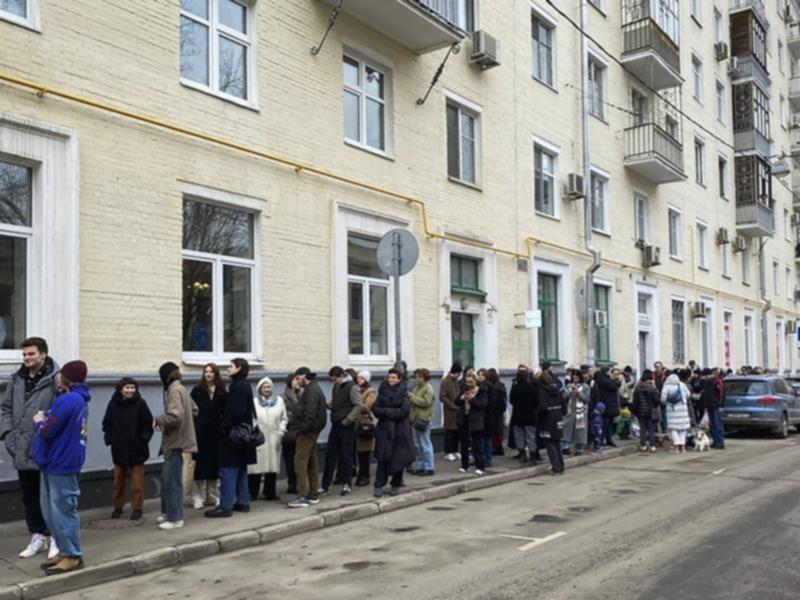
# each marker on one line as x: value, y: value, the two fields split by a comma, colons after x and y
x: 701, y: 441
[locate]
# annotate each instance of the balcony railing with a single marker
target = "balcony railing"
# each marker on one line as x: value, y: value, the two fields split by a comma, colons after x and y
x: 755, y: 219
x: 793, y: 38
x: 752, y: 139
x: 653, y: 153
x: 747, y: 67
x: 644, y: 35
x: 757, y: 6
x: 451, y: 11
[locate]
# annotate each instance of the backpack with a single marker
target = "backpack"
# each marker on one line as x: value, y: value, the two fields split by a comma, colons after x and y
x: 675, y: 396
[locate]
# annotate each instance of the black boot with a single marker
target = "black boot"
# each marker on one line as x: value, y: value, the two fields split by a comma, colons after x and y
x: 270, y: 482
x: 253, y: 484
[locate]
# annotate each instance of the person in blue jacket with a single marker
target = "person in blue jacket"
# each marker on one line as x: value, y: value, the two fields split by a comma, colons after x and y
x: 59, y: 450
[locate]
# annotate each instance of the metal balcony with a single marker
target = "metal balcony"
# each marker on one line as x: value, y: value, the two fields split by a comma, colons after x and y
x: 752, y: 140
x: 793, y: 39
x: 748, y: 68
x: 755, y: 220
x: 649, y: 53
x: 653, y: 153
x: 757, y: 6
x: 419, y: 25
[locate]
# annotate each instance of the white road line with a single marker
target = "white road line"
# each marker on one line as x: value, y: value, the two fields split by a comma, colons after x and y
x: 533, y: 542
x: 720, y: 472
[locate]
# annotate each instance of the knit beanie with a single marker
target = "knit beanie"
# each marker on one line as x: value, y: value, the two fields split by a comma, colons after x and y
x: 167, y: 369
x: 74, y: 371
x: 456, y: 368
x: 365, y: 375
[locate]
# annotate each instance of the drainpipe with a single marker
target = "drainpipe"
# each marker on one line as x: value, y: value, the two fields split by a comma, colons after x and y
x: 762, y: 284
x: 587, y: 196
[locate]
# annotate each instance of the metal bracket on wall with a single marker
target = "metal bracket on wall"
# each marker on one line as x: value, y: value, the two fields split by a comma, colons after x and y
x: 331, y: 22
x: 454, y: 49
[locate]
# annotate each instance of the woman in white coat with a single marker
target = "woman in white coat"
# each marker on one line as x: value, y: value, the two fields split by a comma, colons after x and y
x: 675, y: 397
x: 272, y: 419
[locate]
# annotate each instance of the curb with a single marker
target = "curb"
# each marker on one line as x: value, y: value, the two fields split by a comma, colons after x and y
x: 161, y: 558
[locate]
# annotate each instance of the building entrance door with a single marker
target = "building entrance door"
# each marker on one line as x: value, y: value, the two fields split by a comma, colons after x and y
x: 463, y: 338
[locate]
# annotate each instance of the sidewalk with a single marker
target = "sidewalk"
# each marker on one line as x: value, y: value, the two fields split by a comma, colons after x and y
x: 122, y: 548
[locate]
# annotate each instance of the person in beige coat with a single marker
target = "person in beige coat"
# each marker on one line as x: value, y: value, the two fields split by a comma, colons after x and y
x: 365, y: 430
x: 177, y: 436
x: 272, y: 419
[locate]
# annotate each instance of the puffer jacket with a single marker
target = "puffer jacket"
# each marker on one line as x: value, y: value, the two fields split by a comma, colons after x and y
x: 677, y: 413
x: 645, y: 400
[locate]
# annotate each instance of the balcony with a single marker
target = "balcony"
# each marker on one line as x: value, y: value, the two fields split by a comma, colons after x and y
x: 757, y: 6
x: 752, y: 140
x: 653, y: 153
x: 419, y: 25
x: 755, y: 220
x: 749, y: 69
x: 794, y: 92
x: 650, y: 54
x: 793, y: 39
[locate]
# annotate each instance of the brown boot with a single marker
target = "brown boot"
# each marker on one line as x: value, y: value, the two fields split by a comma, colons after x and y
x: 51, y: 562
x: 67, y: 564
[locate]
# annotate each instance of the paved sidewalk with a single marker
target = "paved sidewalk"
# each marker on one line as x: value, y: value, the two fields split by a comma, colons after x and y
x: 121, y: 548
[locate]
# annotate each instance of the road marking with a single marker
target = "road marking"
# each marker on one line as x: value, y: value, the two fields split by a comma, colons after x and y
x: 533, y: 542
x: 720, y: 472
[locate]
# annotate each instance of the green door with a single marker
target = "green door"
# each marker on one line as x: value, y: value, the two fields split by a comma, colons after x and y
x: 463, y: 338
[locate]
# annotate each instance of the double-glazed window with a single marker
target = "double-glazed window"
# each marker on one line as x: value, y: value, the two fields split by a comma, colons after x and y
x: 699, y: 161
x: 548, y: 304
x: 720, y: 102
x: 464, y: 275
x: 641, y: 217
x: 761, y: 111
x: 218, y: 280
x: 22, y: 12
x: 16, y: 231
x: 678, y: 332
x: 544, y: 163
x: 368, y: 291
x: 597, y: 89
x: 602, y: 338
x: 462, y: 143
x: 216, y: 45
x: 599, y: 191
x: 542, y: 49
x: 365, y: 103
x: 697, y: 78
x: 675, y: 230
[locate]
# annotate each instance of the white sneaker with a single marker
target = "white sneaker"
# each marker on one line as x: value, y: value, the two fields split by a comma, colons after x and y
x: 37, y: 544
x: 478, y: 472
x: 450, y: 457
x: 463, y: 470
x: 457, y: 455
x: 53, y: 551
x: 198, y: 504
x: 171, y: 525
x: 161, y: 519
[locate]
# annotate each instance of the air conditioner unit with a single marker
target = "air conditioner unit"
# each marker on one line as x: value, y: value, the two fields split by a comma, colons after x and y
x: 485, y: 50
x: 721, y: 50
x: 651, y: 256
x: 791, y: 327
x: 733, y: 65
x: 722, y: 236
x: 698, y: 310
x: 739, y: 244
x: 601, y: 318
x: 574, y: 186
x: 794, y: 123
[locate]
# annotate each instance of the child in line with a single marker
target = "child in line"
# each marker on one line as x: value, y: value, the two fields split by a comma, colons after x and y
x: 597, y: 427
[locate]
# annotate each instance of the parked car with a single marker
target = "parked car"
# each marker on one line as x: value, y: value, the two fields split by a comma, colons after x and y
x: 794, y: 381
x: 761, y: 402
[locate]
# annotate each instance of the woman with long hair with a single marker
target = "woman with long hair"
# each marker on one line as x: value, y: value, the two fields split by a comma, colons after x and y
x: 209, y: 396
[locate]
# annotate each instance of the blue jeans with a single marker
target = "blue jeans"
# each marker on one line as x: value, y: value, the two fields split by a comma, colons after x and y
x: 715, y: 424
x: 58, y: 498
x: 422, y: 442
x: 233, y: 487
x: 488, y: 450
x: 172, y: 486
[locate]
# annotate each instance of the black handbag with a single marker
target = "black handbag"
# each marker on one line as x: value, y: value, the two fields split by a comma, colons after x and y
x: 366, y: 431
x: 246, y: 436
x: 421, y: 424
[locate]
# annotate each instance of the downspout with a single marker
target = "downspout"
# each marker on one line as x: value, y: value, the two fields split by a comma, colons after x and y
x: 762, y: 284
x: 587, y: 199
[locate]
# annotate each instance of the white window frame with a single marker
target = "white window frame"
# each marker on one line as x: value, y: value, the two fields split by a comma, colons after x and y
x: 695, y: 10
x: 475, y: 111
x: 720, y: 101
x: 249, y: 40
x: 719, y: 26
x: 749, y: 335
x: 599, y: 5
x: 367, y: 284
x: 787, y: 225
x: 702, y: 244
x: 746, y: 266
x: 709, y: 322
x: 789, y: 294
x: 600, y: 67
x: 697, y: 78
x: 776, y: 284
x: 641, y: 207
x: 605, y: 177
x: 241, y: 203
x: 678, y: 233
x: 682, y: 301
x: 699, y: 161
x: 724, y: 183
x: 552, y: 23
x: 554, y: 151
x: 33, y: 19
x: 385, y: 68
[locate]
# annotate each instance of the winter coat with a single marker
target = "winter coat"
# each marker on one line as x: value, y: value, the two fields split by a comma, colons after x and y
x: 645, y: 400
x: 524, y: 398
x: 552, y: 408
x: 272, y: 421
x: 312, y: 411
x: 238, y: 409
x: 472, y: 411
x: 607, y: 392
x: 127, y: 428
x: 422, y: 399
x: 393, y: 434
x: 207, y: 428
x: 712, y: 395
x: 345, y: 403
x: 449, y: 391
x: 677, y: 414
x: 177, y: 422
x: 18, y: 407
x: 292, y: 401
x: 576, y: 423
x: 59, y: 446
x: 496, y: 409
x: 368, y: 397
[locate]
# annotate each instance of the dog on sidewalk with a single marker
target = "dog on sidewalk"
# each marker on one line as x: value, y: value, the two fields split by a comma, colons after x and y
x: 701, y: 441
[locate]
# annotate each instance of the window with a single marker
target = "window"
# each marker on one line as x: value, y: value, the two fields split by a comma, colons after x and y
x: 464, y: 275
x: 21, y: 12
x: 702, y: 246
x: 216, y: 45
x: 720, y: 102
x: 719, y: 36
x: 787, y: 225
x: 671, y: 127
x: 761, y: 111
x: 368, y: 299
x: 775, y: 283
x: 602, y: 338
x: 639, y: 110
x: 745, y: 267
x: 597, y: 88
x: 641, y: 217
x: 218, y: 280
x: 726, y: 259
x: 365, y: 104
x: 599, y: 191
x: 545, y: 188
x: 548, y: 304
x: 542, y: 49
x: 789, y: 283
x: 782, y: 111
x: 16, y: 231
x: 781, y: 57
x: 462, y: 143
x: 722, y: 176
x: 460, y: 12
x: 697, y: 78
x: 675, y: 242
x: 699, y: 161
x: 749, y: 339
x: 599, y: 4
x: 678, y: 332
x: 695, y: 9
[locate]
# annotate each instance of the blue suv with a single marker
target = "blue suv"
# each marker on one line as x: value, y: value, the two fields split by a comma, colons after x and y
x: 760, y: 402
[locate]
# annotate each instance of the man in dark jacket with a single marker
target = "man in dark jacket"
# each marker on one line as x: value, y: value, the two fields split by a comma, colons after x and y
x: 311, y: 420
x: 712, y: 398
x: 346, y: 408
x: 607, y: 392
x: 31, y: 389
x: 524, y: 399
x: 552, y: 408
x: 645, y: 406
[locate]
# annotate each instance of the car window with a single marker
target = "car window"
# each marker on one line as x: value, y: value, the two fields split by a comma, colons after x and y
x: 744, y: 387
x: 782, y: 387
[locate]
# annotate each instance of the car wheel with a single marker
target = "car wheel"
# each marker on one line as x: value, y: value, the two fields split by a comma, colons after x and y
x: 783, y: 428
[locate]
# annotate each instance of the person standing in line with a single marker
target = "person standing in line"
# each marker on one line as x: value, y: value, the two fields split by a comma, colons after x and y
x: 449, y: 391
x: 495, y: 414
x: 713, y: 400
x: 345, y: 410
x: 209, y: 397
x: 576, y: 426
x: 422, y: 398
x: 127, y: 428
x: 234, y: 492
x: 272, y: 419
x: 472, y: 419
x: 393, y: 440
x: 552, y: 408
x: 59, y: 450
x: 177, y: 436
x: 608, y: 385
x: 32, y: 389
x: 675, y: 398
x: 645, y: 407
x: 291, y: 399
x: 312, y: 416
x: 365, y: 432
x: 659, y: 377
x: 524, y: 399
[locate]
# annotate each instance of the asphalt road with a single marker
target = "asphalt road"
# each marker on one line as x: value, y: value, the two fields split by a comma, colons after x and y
x: 722, y: 524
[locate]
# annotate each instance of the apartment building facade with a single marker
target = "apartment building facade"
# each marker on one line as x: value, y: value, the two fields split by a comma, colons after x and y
x: 188, y: 179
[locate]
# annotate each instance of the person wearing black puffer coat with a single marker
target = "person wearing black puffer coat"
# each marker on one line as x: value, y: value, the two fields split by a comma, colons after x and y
x: 607, y: 392
x: 552, y: 408
x: 495, y: 415
x: 645, y: 406
x: 394, y: 449
x: 524, y: 399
